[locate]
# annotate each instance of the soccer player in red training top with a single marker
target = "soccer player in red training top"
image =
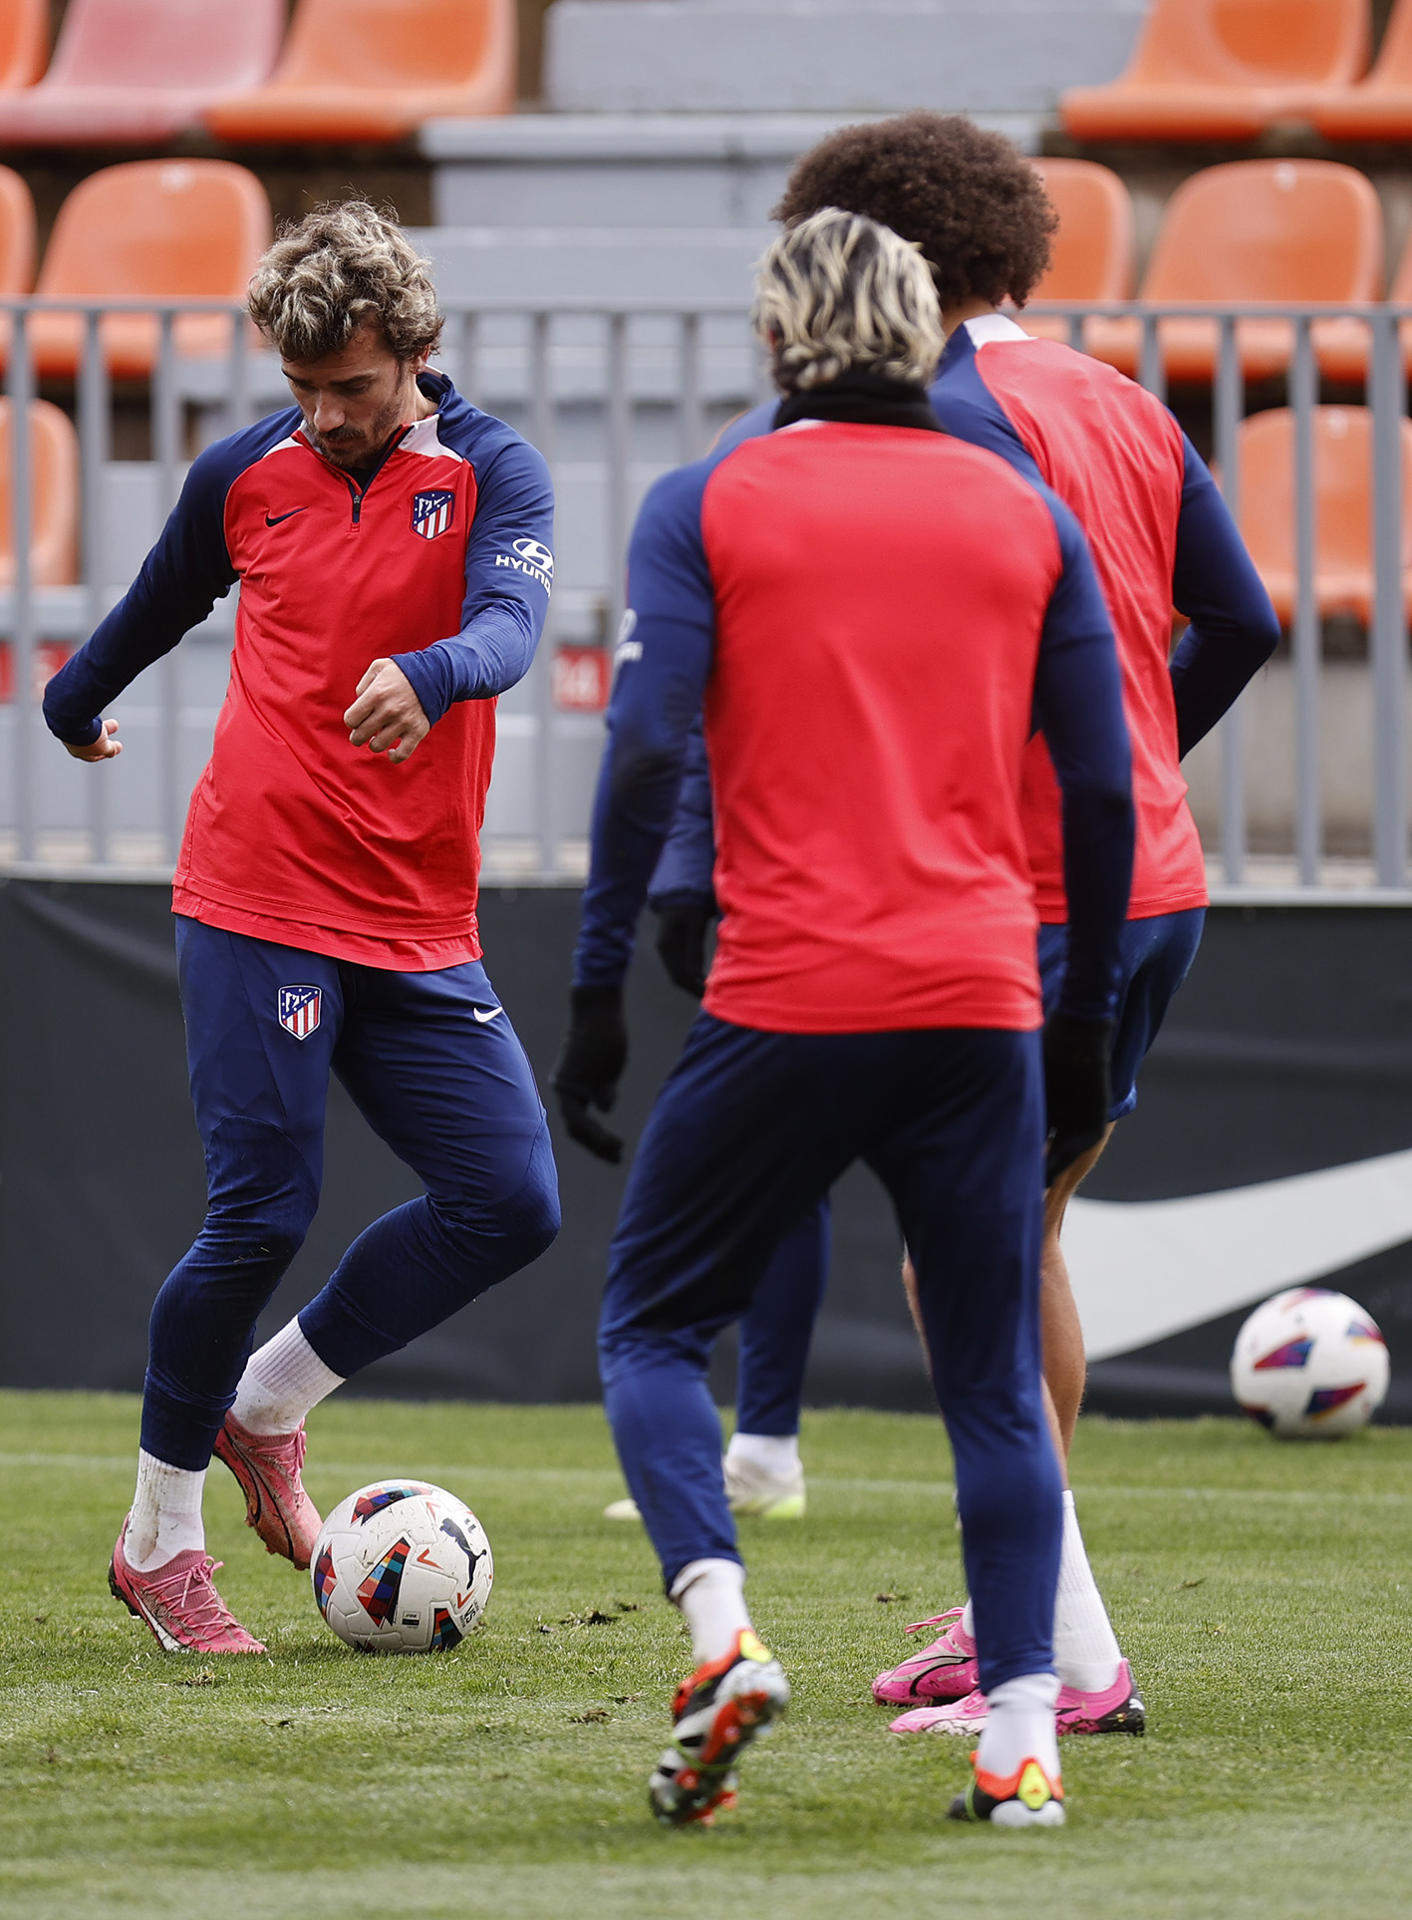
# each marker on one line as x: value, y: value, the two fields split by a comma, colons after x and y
x: 835, y: 591
x: 392, y: 546
x: 1160, y: 535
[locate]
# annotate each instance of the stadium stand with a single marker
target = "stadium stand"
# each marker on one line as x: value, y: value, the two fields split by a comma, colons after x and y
x: 164, y: 229
x: 1343, y: 512
x: 136, y: 72
x: 373, y: 70
x: 644, y: 191
x: 24, y: 42
x: 54, y: 497
x: 1288, y: 231
x: 1095, y: 255
x: 1225, y: 70
x: 1380, y: 108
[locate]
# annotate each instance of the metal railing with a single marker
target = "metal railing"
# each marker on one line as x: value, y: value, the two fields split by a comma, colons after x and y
x: 612, y: 394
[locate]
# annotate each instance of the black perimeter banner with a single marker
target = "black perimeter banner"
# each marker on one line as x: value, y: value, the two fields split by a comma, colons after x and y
x: 1287, y: 1055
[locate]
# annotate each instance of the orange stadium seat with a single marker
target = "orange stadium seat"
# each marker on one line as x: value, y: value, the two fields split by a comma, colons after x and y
x: 16, y: 234
x: 1294, y: 231
x: 1381, y: 107
x: 54, y: 497
x: 24, y: 41
x: 1225, y: 69
x: 375, y: 69
x: 1343, y: 508
x: 1094, y: 253
x: 17, y: 246
x: 141, y: 70
x: 161, y: 229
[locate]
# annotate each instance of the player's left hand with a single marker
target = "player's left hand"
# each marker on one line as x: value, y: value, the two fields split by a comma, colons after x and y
x: 386, y: 716
x: 589, y: 1067
x: 1076, y: 1088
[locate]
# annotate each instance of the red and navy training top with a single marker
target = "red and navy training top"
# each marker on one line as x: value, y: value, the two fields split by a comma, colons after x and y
x: 871, y: 659
x: 442, y: 561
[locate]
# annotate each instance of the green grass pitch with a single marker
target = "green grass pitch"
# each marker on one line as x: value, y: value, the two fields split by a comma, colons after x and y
x: 1261, y: 1591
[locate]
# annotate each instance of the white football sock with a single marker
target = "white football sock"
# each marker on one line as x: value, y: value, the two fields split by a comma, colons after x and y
x: 1086, y: 1650
x: 281, y: 1383
x: 1020, y: 1726
x: 772, y: 1456
x: 711, y: 1594
x: 968, y: 1621
x: 166, y: 1514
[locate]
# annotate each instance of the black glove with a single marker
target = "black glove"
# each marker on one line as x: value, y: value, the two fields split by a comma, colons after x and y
x: 1076, y: 1088
x: 682, y: 925
x: 590, y: 1065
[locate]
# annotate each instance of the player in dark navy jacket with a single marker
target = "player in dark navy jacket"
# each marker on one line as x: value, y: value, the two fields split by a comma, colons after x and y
x: 871, y: 663
x: 392, y: 546
x: 1161, y: 535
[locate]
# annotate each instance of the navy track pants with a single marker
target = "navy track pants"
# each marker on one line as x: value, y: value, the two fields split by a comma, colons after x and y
x: 749, y: 1132
x: 435, y: 1067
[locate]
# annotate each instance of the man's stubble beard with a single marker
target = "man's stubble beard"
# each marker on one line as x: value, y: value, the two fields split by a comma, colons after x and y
x: 369, y: 441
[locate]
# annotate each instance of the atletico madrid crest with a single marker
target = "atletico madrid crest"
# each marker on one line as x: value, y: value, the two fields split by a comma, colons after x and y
x: 431, y: 513
x: 299, y: 1010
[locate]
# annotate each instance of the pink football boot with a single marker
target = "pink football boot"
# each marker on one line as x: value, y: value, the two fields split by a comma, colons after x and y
x: 1116, y: 1710
x: 276, y: 1505
x: 945, y: 1670
x: 180, y: 1604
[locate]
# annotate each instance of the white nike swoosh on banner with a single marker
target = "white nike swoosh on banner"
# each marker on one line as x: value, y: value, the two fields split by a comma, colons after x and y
x: 486, y: 1018
x: 1142, y: 1270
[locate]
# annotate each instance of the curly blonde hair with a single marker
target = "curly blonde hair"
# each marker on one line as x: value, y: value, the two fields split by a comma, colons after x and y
x: 346, y: 263
x: 839, y: 291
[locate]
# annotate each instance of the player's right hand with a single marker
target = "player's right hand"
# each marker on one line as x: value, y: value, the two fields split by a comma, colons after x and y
x: 1076, y: 1088
x: 682, y: 926
x: 106, y: 747
x: 589, y: 1067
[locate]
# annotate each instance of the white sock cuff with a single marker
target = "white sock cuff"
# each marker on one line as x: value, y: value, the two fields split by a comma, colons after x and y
x: 1027, y: 1692
x: 173, y: 1489
x: 282, y: 1382
x: 730, y: 1572
x: 166, y: 1513
x: 775, y: 1454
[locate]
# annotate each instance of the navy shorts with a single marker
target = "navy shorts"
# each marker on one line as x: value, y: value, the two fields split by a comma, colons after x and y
x: 1157, y: 956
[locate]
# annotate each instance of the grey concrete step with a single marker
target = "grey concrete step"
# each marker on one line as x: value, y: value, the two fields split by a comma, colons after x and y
x: 706, y: 56
x: 631, y: 170
x: 555, y: 266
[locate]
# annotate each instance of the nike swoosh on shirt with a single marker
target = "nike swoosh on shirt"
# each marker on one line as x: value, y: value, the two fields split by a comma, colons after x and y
x: 484, y: 1017
x: 273, y: 519
x: 1143, y: 1270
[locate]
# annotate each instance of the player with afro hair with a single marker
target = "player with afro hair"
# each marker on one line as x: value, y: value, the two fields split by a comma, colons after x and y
x: 967, y: 197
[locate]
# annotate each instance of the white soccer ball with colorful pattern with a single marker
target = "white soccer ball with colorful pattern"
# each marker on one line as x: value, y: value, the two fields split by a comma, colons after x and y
x: 402, y: 1567
x: 1310, y: 1364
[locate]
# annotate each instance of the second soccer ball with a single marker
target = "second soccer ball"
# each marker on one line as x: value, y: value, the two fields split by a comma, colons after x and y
x: 1309, y: 1364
